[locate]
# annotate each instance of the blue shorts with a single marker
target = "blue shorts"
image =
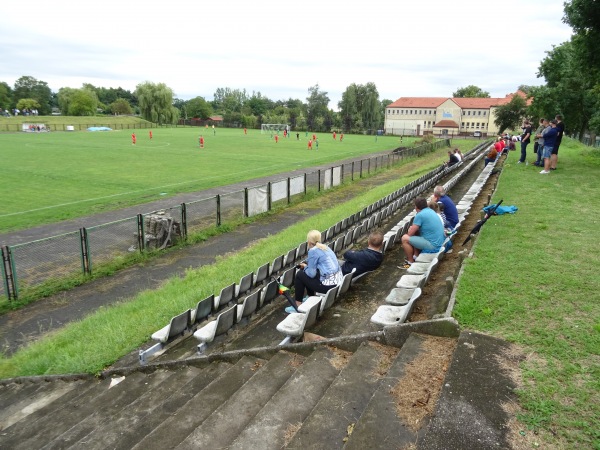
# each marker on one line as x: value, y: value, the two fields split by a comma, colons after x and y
x: 421, y: 243
x: 547, y: 151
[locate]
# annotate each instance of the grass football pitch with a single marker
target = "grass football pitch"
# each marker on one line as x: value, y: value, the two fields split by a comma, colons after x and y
x: 48, y: 177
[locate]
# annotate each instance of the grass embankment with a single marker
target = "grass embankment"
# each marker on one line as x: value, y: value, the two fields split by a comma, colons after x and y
x: 533, y: 281
x: 64, y: 175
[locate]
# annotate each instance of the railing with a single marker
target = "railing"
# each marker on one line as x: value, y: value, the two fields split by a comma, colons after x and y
x: 32, y: 264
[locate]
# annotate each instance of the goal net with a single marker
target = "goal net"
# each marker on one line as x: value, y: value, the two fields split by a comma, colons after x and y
x: 270, y: 128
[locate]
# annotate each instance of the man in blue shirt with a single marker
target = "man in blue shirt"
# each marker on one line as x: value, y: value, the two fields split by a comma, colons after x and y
x: 426, y: 234
x: 439, y: 196
x: 549, y: 140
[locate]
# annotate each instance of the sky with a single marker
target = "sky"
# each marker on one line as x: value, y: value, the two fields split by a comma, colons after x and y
x: 407, y: 48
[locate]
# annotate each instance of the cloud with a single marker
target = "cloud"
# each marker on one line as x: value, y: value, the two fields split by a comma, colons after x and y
x: 405, y: 48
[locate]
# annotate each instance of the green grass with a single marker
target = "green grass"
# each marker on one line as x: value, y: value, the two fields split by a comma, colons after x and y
x: 49, y: 177
x: 533, y: 280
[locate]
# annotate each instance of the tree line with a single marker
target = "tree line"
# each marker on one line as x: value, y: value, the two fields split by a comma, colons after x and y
x: 360, y: 109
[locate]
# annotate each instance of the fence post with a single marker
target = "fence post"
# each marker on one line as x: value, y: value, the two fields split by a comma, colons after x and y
x: 141, y: 233
x: 9, y: 275
x: 319, y: 179
x: 269, y: 202
x: 331, y: 178
x: 369, y: 166
x: 289, y: 189
x: 183, y: 221
x: 305, y: 181
x: 245, y: 202
x: 218, y: 197
x: 361, y: 168
x: 342, y: 175
x: 85, y: 252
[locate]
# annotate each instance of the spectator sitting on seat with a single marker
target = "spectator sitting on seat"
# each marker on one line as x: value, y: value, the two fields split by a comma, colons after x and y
x: 452, y: 159
x: 458, y: 154
x: 367, y: 259
x: 319, y: 273
x: 491, y: 156
x: 450, y: 211
x: 426, y: 234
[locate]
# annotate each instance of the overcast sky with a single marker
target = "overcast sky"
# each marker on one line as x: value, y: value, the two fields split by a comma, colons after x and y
x: 407, y: 48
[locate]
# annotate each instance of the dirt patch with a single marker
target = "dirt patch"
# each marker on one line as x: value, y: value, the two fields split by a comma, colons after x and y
x: 340, y: 358
x: 416, y: 393
x: 290, y: 432
x: 387, y: 355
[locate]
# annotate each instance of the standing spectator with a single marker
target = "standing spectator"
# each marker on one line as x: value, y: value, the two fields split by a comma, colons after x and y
x: 560, y: 128
x: 365, y: 260
x: 133, y: 139
x: 320, y: 273
x: 549, y: 140
x: 536, y: 144
x: 426, y: 234
x: 450, y: 211
x: 525, y: 140
x: 540, y: 138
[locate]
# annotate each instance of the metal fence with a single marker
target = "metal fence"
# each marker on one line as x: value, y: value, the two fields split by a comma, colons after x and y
x: 33, y: 264
x: 18, y: 126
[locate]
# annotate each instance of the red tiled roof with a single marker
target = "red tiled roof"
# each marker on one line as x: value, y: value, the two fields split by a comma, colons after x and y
x: 417, y: 102
x: 215, y: 118
x: 446, y: 124
x: 477, y: 103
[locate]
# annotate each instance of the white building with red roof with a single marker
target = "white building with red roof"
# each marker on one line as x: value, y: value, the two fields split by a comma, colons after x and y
x: 442, y: 116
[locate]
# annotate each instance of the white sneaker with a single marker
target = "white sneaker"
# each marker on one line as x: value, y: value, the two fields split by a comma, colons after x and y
x: 519, y: 162
x: 544, y: 172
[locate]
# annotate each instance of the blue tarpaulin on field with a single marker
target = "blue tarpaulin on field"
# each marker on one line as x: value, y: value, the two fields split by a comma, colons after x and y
x: 502, y: 209
x: 99, y: 129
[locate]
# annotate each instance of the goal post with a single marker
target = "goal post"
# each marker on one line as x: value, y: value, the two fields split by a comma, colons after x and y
x: 270, y: 128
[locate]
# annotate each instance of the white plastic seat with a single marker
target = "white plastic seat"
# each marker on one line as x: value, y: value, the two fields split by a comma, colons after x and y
x: 261, y: 274
x: 399, y: 296
x: 410, y: 281
x: 176, y: 327
x: 269, y: 292
x: 290, y: 257
x: 277, y: 265
x: 294, y: 324
x: 387, y: 315
x: 287, y: 278
x: 220, y: 325
x: 356, y: 278
x: 328, y: 300
x: 345, y: 284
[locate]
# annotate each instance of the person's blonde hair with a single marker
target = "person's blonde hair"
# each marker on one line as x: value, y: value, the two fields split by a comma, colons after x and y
x: 314, y: 237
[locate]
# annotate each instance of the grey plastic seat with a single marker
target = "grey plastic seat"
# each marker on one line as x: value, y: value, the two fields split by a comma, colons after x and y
x: 277, y: 265
x: 346, y: 282
x: 227, y: 294
x: 328, y: 300
x: 176, y: 327
x: 269, y: 292
x: 262, y: 274
x: 248, y: 306
x: 290, y: 257
x: 203, y: 309
x: 246, y: 283
x: 287, y: 278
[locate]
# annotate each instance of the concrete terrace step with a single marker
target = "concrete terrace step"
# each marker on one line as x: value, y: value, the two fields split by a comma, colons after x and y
x: 379, y: 426
x: 345, y: 400
x: 219, y: 430
x: 288, y: 408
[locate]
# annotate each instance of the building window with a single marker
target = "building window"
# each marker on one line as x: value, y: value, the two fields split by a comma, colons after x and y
x: 478, y: 113
x: 484, y: 113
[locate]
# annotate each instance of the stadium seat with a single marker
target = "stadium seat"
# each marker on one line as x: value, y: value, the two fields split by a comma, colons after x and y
x: 262, y: 273
x: 390, y: 315
x: 246, y: 283
x: 294, y: 324
x: 220, y: 325
x: 248, y: 306
x: 203, y: 309
x: 177, y: 326
x: 226, y: 295
x: 277, y: 265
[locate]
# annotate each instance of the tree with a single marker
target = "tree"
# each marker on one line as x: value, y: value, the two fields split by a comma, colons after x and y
x: 84, y: 102
x: 156, y: 102
x: 360, y: 108
x: 29, y: 87
x: 120, y: 107
x: 471, y: 91
x: 349, y: 115
x: 317, y: 108
x: 28, y: 103
x: 510, y: 115
x: 5, y: 96
x: 65, y: 96
x: 584, y: 17
x: 198, y: 107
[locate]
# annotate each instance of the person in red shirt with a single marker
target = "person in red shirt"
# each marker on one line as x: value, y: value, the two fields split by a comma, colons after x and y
x: 334, y: 135
x: 314, y: 137
x: 201, y: 141
x: 499, y: 146
x: 277, y: 138
x: 310, y: 144
x: 341, y: 137
x: 150, y: 133
x: 133, y: 138
x: 245, y: 130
